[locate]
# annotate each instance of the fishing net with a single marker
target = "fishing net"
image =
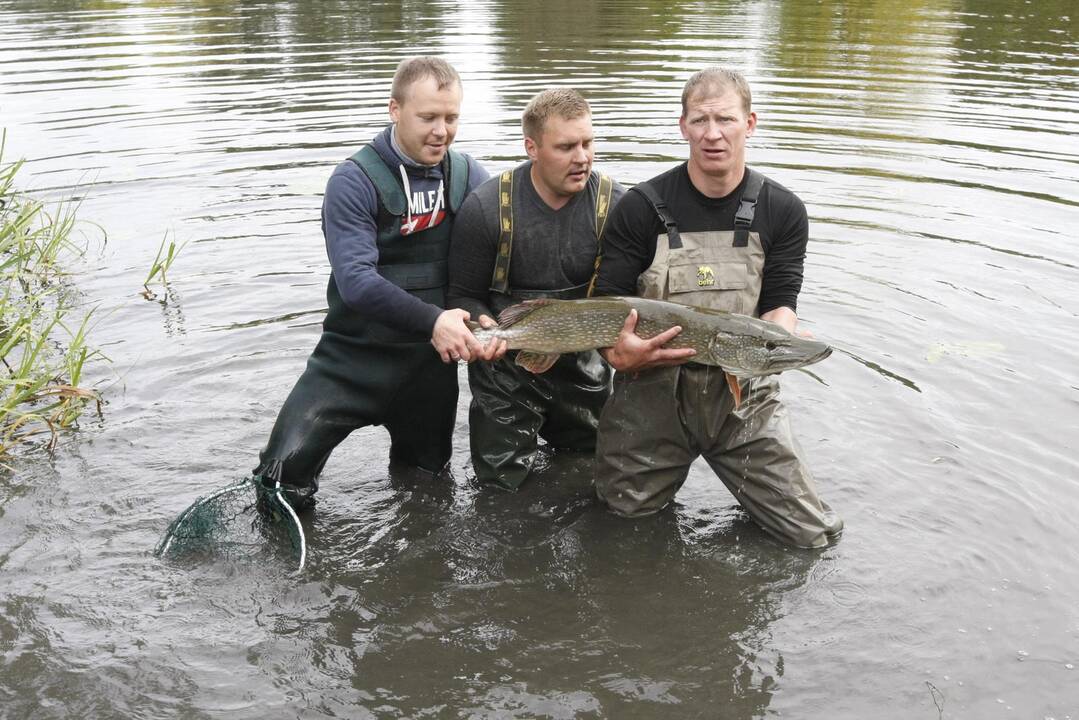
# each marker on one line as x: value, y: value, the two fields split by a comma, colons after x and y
x: 247, y: 520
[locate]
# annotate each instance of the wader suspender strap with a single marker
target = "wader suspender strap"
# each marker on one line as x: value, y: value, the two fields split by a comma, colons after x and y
x: 743, y: 218
x: 501, y: 278
x: 603, y: 206
x: 389, y: 189
x: 747, y: 206
x: 674, y: 240
x: 390, y: 194
x: 455, y: 170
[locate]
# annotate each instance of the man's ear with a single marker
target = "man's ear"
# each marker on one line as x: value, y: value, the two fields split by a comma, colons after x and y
x: 751, y: 123
x: 682, y: 127
x: 395, y: 110
x: 530, y: 148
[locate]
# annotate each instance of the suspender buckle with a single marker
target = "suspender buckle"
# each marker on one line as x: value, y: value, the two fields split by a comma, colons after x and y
x: 743, y: 219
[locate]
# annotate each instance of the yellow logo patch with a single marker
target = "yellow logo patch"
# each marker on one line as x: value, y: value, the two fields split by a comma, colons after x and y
x: 705, y: 276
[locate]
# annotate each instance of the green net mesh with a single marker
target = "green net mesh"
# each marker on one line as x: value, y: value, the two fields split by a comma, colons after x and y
x: 243, y: 521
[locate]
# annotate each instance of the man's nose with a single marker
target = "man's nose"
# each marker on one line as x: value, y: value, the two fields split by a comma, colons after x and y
x: 581, y: 155
x: 439, y: 127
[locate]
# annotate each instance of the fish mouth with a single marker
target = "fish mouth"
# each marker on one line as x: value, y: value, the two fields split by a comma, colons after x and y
x: 808, y: 358
x: 794, y: 361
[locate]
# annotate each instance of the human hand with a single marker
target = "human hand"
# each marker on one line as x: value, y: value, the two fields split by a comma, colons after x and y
x: 786, y: 319
x: 631, y: 352
x: 451, y: 337
x: 495, y: 348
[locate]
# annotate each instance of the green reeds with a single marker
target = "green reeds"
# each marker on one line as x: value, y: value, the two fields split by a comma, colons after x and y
x: 162, y: 262
x: 43, y: 352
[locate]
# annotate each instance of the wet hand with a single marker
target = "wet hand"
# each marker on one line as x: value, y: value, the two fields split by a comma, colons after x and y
x: 451, y: 337
x: 786, y: 319
x: 495, y: 348
x: 631, y: 352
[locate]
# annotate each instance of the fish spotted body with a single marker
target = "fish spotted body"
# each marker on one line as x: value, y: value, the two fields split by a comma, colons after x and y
x: 743, y: 346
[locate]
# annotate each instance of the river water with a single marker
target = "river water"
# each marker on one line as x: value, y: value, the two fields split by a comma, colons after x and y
x: 935, y: 145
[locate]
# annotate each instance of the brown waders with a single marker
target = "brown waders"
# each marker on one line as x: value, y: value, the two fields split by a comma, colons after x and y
x: 659, y: 421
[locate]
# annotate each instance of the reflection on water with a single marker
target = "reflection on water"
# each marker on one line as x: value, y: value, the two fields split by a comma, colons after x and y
x: 934, y: 145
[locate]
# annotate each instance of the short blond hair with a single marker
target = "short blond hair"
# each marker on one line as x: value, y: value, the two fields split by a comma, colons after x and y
x: 566, y: 103
x: 417, y: 68
x: 716, y: 79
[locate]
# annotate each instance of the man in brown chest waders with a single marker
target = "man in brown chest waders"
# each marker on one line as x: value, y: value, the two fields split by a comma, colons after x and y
x: 534, y: 233
x: 711, y: 232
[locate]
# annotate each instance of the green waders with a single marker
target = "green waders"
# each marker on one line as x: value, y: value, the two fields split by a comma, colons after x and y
x: 363, y: 372
x: 512, y: 407
x: 658, y: 421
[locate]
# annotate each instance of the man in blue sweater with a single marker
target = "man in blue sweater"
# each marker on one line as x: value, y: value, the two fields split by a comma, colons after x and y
x: 388, y: 351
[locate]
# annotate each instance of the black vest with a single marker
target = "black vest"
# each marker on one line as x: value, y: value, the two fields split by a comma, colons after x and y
x: 415, y: 263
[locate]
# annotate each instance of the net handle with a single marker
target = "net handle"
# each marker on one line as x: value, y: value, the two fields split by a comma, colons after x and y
x: 296, y: 522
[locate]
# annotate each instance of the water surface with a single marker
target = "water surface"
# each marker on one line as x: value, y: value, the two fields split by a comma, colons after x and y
x: 935, y: 147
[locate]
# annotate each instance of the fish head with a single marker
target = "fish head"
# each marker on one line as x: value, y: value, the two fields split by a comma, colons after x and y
x: 766, y: 349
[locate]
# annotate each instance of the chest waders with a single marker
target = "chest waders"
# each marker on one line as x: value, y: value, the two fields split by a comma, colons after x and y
x: 660, y: 420
x: 511, y: 407
x: 366, y: 372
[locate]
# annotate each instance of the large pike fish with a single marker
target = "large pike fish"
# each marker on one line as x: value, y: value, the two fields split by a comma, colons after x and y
x: 742, y: 345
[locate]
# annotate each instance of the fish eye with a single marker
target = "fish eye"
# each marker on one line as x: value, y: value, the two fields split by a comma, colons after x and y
x: 769, y: 345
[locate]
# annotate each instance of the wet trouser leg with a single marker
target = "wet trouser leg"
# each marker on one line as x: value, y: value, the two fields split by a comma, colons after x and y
x: 579, y: 386
x: 671, y: 415
x: 421, y: 417
x: 643, y: 451
x: 504, y: 419
x: 512, y: 407
x: 754, y: 452
x: 349, y: 385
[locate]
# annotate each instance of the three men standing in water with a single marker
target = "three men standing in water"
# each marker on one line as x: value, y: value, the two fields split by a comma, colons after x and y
x: 388, y: 345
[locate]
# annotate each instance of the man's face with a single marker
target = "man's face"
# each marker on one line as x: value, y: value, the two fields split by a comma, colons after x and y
x: 716, y: 127
x: 562, y: 157
x: 427, y: 120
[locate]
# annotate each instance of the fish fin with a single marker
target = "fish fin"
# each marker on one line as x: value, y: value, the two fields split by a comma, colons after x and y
x: 536, y: 362
x: 735, y: 388
x: 516, y: 313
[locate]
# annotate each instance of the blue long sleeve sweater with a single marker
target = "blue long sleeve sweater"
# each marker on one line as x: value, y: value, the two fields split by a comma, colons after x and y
x: 350, y: 226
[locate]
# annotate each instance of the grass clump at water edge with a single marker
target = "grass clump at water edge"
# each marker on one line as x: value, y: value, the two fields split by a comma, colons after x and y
x: 43, y: 344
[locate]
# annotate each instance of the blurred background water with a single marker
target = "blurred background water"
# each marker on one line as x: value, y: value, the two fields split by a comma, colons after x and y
x: 935, y: 145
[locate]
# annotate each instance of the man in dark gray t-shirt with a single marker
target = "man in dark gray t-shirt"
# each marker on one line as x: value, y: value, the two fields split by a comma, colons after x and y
x: 533, y: 232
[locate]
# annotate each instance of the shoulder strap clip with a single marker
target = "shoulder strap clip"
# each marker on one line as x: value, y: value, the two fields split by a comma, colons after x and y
x: 674, y: 240
x: 747, y: 207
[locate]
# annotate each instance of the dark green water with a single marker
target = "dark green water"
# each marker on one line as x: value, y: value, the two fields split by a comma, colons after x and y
x: 935, y: 145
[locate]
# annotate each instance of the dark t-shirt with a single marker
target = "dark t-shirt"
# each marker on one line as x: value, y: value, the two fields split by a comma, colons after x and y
x: 552, y: 249
x: 629, y: 245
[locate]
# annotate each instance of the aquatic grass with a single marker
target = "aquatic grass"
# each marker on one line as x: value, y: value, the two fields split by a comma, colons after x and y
x: 43, y: 352
x: 162, y: 262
